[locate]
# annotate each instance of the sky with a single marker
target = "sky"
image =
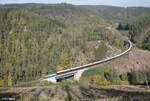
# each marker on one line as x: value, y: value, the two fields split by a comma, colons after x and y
x: 124, y: 3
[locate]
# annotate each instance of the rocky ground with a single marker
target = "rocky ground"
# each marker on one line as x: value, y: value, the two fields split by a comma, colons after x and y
x: 135, y: 60
x: 77, y: 93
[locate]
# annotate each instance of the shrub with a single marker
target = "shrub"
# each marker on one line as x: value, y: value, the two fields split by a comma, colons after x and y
x: 124, y: 77
x: 138, y: 77
x: 96, y: 79
x: 112, y: 76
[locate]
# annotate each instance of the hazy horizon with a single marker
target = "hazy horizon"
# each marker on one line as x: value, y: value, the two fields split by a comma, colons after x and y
x: 121, y: 3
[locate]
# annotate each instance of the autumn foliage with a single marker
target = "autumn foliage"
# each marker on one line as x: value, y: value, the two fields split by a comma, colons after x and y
x: 96, y: 79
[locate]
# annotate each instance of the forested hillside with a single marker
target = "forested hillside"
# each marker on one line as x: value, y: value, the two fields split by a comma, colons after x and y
x: 37, y: 39
x: 117, y: 13
x: 139, y: 29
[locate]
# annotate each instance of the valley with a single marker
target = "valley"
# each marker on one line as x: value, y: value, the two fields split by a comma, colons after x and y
x: 41, y: 39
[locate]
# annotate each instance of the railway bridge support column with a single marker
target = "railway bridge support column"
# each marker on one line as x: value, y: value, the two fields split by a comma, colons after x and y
x: 78, y: 75
x: 52, y: 79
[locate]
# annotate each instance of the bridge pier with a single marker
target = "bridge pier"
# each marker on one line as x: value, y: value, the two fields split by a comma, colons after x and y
x: 51, y: 79
x: 78, y: 75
